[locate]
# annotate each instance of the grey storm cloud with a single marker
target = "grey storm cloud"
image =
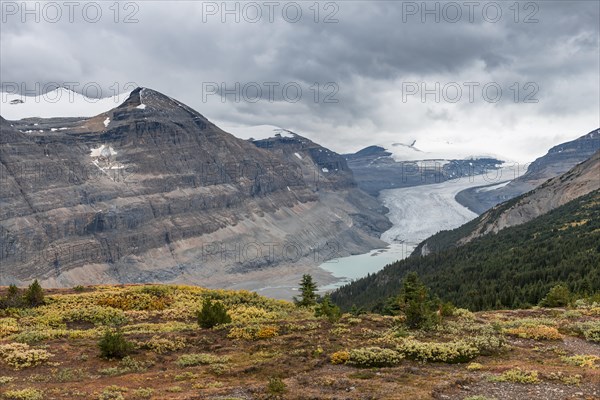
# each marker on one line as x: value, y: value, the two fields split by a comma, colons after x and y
x: 365, y: 58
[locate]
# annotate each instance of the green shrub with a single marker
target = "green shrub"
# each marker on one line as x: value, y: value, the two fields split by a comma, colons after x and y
x: 564, y: 378
x: 186, y: 376
x: 24, y: 394
x: 112, y: 393
x: 451, y: 352
x: 583, y: 360
x: 328, y: 310
x: 487, y: 343
x: 219, y: 369
x: 114, y: 345
x: 20, y: 355
x: 517, y: 375
x: 374, y: 357
x: 558, y: 296
x: 126, y: 366
x: 591, y: 332
x: 212, y: 314
x: 190, y: 360
x: 143, y: 393
x: 276, y: 386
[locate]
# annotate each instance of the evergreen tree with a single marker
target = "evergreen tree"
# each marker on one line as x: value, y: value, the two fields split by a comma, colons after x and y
x: 307, y: 289
x: 415, y: 303
x: 34, y: 296
x: 13, y: 298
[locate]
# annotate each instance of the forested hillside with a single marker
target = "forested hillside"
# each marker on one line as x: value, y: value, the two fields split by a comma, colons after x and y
x: 512, y: 268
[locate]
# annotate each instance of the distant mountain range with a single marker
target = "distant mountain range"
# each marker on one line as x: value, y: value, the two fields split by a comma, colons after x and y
x: 557, y: 161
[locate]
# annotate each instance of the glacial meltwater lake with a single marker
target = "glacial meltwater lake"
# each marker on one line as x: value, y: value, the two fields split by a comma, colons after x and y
x: 358, y: 266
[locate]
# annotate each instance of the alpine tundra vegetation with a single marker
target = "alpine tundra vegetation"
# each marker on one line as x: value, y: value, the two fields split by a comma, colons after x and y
x: 156, y: 342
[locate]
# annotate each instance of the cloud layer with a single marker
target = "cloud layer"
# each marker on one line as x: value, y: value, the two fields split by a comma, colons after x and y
x: 369, y: 72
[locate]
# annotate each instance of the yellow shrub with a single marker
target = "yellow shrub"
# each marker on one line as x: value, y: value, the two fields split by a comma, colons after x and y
x: 374, y: 357
x: 253, y: 332
x: 340, y: 357
x: 245, y: 333
x: 267, y: 332
x: 536, y: 332
x: 8, y: 326
x: 249, y: 314
x: 517, y: 375
x: 339, y: 331
x: 474, y: 367
x: 163, y: 345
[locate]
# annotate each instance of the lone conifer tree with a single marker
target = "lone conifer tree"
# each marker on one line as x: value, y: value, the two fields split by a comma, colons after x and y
x: 307, y: 290
x: 34, y: 296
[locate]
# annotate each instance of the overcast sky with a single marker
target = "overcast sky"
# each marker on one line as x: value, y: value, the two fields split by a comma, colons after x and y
x: 372, y: 59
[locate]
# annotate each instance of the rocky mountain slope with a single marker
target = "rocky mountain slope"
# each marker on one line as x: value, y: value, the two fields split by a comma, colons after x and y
x: 557, y: 161
x: 153, y: 191
x: 329, y: 174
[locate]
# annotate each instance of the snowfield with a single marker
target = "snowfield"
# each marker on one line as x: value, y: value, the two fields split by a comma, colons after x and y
x: 60, y: 102
x: 257, y: 132
x: 424, y: 149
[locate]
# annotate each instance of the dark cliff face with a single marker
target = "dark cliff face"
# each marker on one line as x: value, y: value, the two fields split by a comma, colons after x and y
x: 320, y: 166
x: 107, y: 191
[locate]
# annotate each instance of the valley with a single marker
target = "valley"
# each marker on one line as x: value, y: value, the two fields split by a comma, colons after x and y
x: 325, y: 200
